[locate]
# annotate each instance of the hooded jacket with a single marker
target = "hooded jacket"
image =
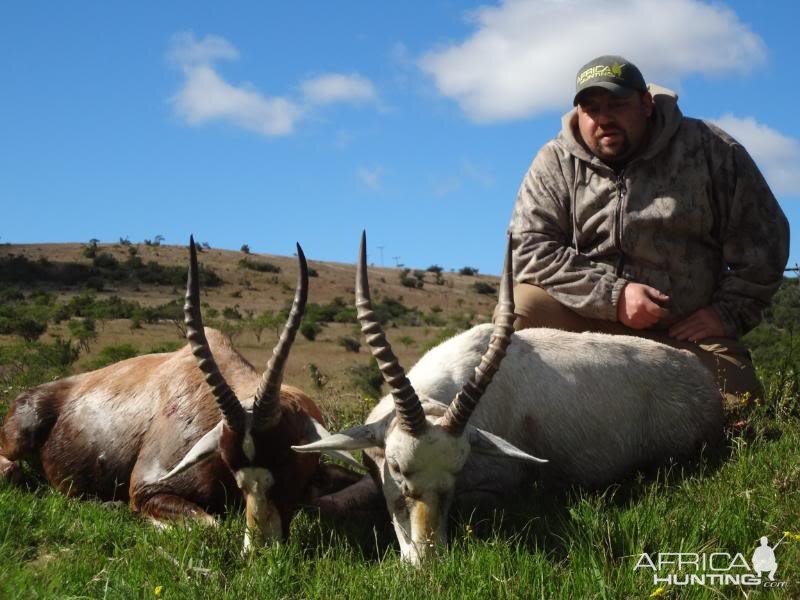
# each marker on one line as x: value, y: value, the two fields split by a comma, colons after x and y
x: 690, y: 215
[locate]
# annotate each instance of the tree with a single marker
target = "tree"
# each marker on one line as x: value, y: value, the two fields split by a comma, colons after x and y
x: 245, y: 248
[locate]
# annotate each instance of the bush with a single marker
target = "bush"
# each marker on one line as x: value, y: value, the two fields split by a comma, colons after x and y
x: 20, y: 270
x: 367, y: 378
x: 350, y: 344
x: 260, y: 266
x: 469, y: 271
x: 104, y: 260
x: 483, y: 287
x: 318, y: 378
x: 434, y: 269
x: 112, y: 354
x: 90, y: 249
x: 232, y: 313
x: 310, y: 329
x: 26, y: 364
x: 245, y: 248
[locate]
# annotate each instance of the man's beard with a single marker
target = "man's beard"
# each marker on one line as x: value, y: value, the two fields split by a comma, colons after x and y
x: 618, y: 151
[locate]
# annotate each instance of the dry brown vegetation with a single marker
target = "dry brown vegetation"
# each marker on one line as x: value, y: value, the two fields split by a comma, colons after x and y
x: 250, y: 292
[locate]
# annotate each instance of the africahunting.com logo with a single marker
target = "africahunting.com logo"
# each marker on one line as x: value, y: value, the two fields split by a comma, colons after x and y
x: 715, y: 568
x: 596, y: 71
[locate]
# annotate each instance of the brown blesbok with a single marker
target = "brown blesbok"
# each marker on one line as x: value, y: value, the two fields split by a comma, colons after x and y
x: 173, y: 439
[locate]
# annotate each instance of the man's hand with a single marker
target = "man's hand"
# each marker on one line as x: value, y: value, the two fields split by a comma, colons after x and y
x: 701, y: 324
x: 639, y: 306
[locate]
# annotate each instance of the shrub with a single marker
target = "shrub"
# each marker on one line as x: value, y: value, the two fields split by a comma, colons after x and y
x: 310, y: 329
x: 350, y: 344
x: 104, y: 260
x: 260, y: 266
x: 434, y: 269
x: 232, y: 313
x: 406, y: 340
x: 312, y: 272
x: 367, y: 378
x: 470, y: 271
x: 90, y: 249
x: 26, y: 364
x: 165, y: 347
x: 112, y: 354
x: 483, y: 287
x: 245, y: 248
x: 318, y: 378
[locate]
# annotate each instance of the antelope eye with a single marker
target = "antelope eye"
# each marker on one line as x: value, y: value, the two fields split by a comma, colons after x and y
x: 394, y: 467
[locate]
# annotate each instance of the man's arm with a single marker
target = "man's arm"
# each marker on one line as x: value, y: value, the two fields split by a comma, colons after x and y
x: 755, y: 244
x: 541, y: 225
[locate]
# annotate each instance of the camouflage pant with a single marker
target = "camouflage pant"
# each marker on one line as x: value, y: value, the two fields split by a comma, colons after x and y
x: 729, y: 360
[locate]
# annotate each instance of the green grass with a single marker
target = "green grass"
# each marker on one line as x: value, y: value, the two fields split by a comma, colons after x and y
x: 553, y: 544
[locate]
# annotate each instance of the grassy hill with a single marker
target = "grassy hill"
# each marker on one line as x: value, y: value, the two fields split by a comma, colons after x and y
x: 432, y: 310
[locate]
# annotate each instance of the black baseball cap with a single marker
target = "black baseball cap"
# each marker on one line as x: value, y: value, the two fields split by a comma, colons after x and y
x: 614, y: 73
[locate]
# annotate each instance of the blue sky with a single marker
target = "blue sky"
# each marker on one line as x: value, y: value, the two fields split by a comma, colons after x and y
x: 266, y: 124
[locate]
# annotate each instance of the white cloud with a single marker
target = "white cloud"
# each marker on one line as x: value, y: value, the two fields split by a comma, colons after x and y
x: 370, y: 178
x: 185, y: 49
x: 206, y: 96
x: 522, y: 58
x: 335, y: 87
x: 777, y: 155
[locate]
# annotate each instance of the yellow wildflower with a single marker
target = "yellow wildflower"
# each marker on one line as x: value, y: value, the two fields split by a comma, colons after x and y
x: 793, y: 536
x: 659, y: 591
x: 157, y: 590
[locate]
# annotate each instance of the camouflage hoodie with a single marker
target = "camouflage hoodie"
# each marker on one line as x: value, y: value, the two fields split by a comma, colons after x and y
x: 691, y: 215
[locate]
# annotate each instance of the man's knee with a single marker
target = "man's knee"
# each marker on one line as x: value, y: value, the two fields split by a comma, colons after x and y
x: 534, y: 307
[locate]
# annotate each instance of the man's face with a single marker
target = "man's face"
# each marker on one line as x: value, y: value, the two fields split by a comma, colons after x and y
x: 613, y: 127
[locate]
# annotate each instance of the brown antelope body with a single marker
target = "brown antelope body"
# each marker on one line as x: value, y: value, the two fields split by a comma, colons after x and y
x: 148, y: 430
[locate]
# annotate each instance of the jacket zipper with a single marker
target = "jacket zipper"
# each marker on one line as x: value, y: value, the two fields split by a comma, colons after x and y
x: 622, y: 191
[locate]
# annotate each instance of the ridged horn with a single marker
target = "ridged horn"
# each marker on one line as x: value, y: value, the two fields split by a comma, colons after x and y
x: 229, y: 404
x: 406, y: 402
x: 465, y: 402
x: 266, y: 406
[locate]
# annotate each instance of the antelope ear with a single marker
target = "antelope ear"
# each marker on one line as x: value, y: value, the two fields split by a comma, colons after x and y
x: 483, y: 442
x: 203, y: 448
x: 355, y: 438
x: 315, y: 432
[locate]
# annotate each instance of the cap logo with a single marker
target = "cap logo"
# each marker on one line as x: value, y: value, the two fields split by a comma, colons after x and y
x: 596, y: 71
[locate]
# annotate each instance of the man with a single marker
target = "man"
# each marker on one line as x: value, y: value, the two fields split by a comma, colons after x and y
x: 636, y: 220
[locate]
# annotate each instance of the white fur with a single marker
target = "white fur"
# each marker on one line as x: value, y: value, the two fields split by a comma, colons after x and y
x: 595, y: 406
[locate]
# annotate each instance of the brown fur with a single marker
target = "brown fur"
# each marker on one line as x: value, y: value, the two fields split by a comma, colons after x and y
x: 113, y: 432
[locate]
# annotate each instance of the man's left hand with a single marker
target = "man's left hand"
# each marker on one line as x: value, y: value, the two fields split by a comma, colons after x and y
x: 699, y: 325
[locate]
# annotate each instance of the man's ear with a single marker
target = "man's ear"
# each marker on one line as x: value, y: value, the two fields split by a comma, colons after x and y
x: 203, y: 448
x: 483, y: 442
x: 647, y: 104
x: 315, y: 432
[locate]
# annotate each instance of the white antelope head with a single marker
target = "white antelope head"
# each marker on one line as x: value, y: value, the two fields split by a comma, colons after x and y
x: 425, y: 442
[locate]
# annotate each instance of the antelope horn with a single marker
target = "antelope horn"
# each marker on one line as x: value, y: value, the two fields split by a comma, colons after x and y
x: 406, y: 402
x: 229, y: 404
x: 460, y: 410
x: 266, y: 406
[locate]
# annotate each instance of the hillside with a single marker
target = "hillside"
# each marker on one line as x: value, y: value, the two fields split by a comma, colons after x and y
x: 427, y: 314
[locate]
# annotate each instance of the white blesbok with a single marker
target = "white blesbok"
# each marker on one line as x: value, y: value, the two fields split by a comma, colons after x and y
x: 595, y: 407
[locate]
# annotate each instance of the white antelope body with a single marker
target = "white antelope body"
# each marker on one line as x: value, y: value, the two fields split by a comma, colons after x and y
x: 594, y: 407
